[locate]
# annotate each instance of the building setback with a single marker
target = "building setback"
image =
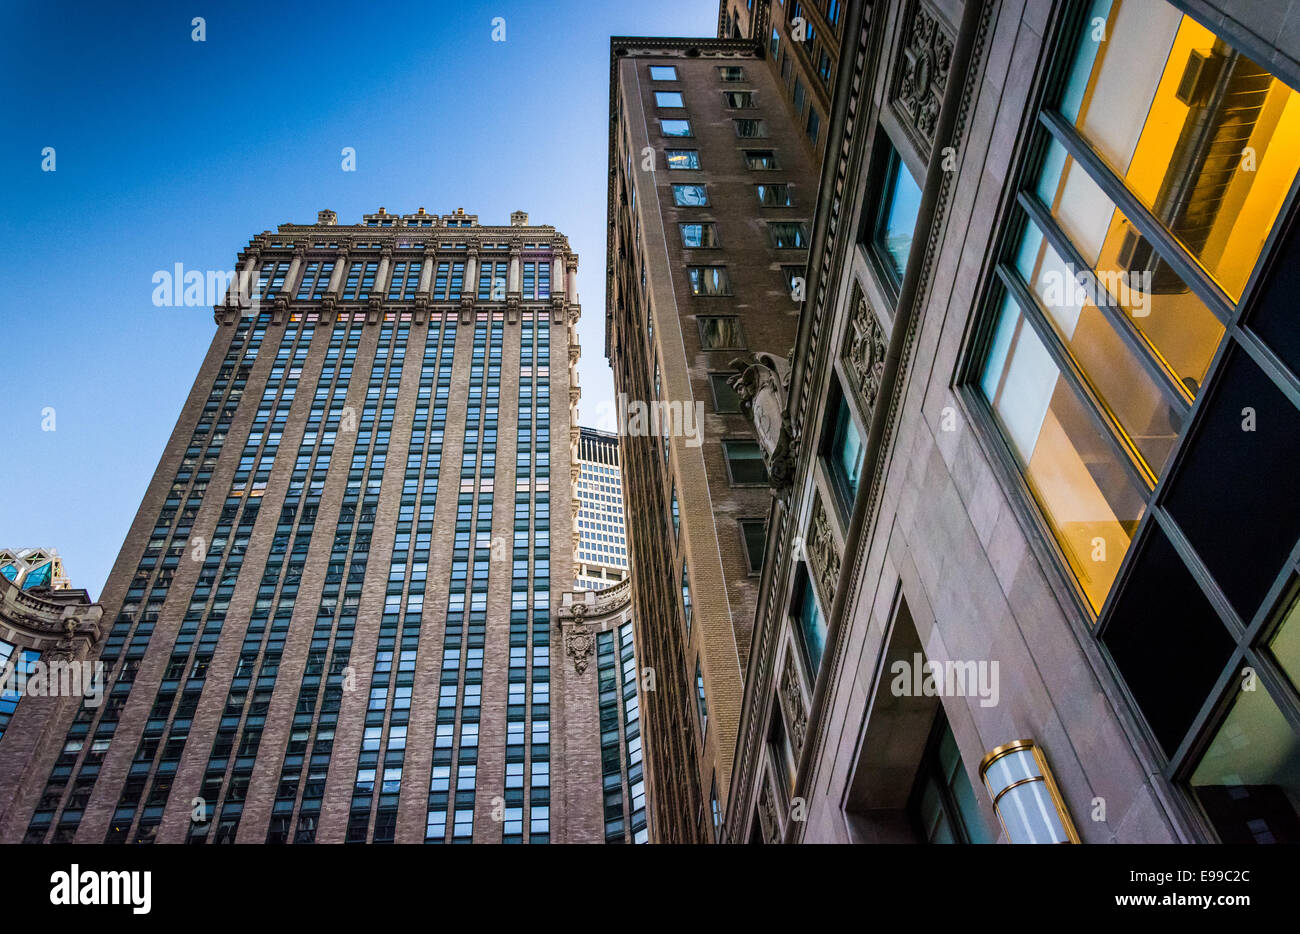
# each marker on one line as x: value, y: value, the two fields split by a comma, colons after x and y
x: 1031, y: 571
x: 602, y: 541
x: 711, y: 189
x: 333, y: 618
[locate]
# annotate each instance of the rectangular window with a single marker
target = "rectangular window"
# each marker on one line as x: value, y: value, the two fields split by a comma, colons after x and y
x: 753, y: 534
x: 690, y: 196
x: 669, y: 99
x: 663, y: 73
x: 760, y: 159
x: 675, y: 128
x: 738, y: 100
x: 751, y: 129
x: 731, y: 73
x: 682, y: 158
x: 725, y: 400
x: 788, y: 235
x: 699, y: 236
x: 774, y: 196
x: 708, y: 280
x: 798, y: 96
x: 900, y: 203
x: 774, y: 44
x: 814, y: 125
x: 943, y: 805
x: 720, y: 332
x: 843, y: 451
x: 810, y: 625
x: 745, y: 462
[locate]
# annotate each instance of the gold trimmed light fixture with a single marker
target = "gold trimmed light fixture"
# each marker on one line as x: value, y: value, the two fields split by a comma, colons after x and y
x: 1025, y: 796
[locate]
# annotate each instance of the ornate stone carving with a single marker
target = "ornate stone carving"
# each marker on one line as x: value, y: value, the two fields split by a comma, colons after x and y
x: 579, y: 641
x: 767, y: 815
x: 865, y: 354
x: 823, y: 553
x: 923, y: 74
x: 762, y: 386
x: 792, y: 702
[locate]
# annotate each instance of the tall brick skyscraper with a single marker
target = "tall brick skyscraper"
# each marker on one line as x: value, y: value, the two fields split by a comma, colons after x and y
x: 711, y: 188
x: 333, y: 616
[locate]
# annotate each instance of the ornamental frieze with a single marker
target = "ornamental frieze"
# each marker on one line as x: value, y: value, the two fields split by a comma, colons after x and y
x: 792, y: 703
x: 922, y: 75
x: 823, y: 553
x: 865, y: 353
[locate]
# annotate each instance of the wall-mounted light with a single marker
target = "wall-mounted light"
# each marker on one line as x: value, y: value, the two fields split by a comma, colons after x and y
x: 1025, y: 795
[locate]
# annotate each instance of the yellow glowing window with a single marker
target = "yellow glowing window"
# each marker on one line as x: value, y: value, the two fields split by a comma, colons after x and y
x: 1208, y: 140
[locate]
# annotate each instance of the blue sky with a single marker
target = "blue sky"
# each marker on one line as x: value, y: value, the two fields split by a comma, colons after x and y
x: 174, y: 151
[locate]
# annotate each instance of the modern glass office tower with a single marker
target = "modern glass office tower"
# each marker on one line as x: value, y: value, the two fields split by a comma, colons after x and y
x: 602, y: 542
x: 332, y: 618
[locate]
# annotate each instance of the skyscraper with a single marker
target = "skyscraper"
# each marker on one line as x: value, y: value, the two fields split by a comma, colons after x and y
x: 1032, y: 575
x: 333, y: 616
x: 602, y: 544
x: 711, y: 188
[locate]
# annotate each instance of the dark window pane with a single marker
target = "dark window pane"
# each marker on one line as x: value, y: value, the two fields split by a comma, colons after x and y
x: 1163, y: 624
x: 1234, y: 494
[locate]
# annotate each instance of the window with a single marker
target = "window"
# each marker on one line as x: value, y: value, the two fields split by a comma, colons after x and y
x: 720, y: 332
x: 708, y: 280
x: 738, y: 100
x: 669, y: 99
x: 675, y: 511
x: 900, y: 203
x: 774, y: 196
x: 798, y: 96
x: 725, y: 400
x: 731, y: 73
x: 814, y: 125
x: 824, y: 68
x: 760, y: 159
x: 809, y: 624
x: 943, y: 805
x: 686, y: 596
x: 788, y: 235
x: 690, y: 195
x: 751, y: 129
x: 663, y: 73
x: 753, y: 534
x: 1109, y: 290
x: 745, y: 462
x: 682, y: 158
x: 699, y: 236
x: 675, y: 128
x: 774, y: 44
x: 699, y: 695
x: 843, y: 451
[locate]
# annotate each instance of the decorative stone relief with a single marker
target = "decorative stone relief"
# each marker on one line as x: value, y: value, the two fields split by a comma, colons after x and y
x: 923, y: 74
x: 579, y: 641
x: 823, y: 553
x: 767, y: 815
x: 865, y: 353
x: 792, y: 703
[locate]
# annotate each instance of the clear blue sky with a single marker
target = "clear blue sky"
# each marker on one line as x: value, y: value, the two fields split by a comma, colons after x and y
x: 174, y: 151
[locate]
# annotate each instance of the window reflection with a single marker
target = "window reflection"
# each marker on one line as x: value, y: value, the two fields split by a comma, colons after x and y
x: 1207, y: 139
x: 1179, y: 326
x: 1148, y: 411
x: 1088, y: 495
x: 1248, y: 781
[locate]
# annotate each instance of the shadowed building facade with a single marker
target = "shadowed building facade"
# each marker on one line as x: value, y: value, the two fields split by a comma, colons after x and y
x: 711, y: 188
x: 1034, y: 574
x: 333, y: 618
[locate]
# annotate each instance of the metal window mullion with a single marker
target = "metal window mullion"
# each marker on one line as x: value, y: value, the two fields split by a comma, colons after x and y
x: 1148, y: 355
x: 1169, y: 248
x: 1102, y: 415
